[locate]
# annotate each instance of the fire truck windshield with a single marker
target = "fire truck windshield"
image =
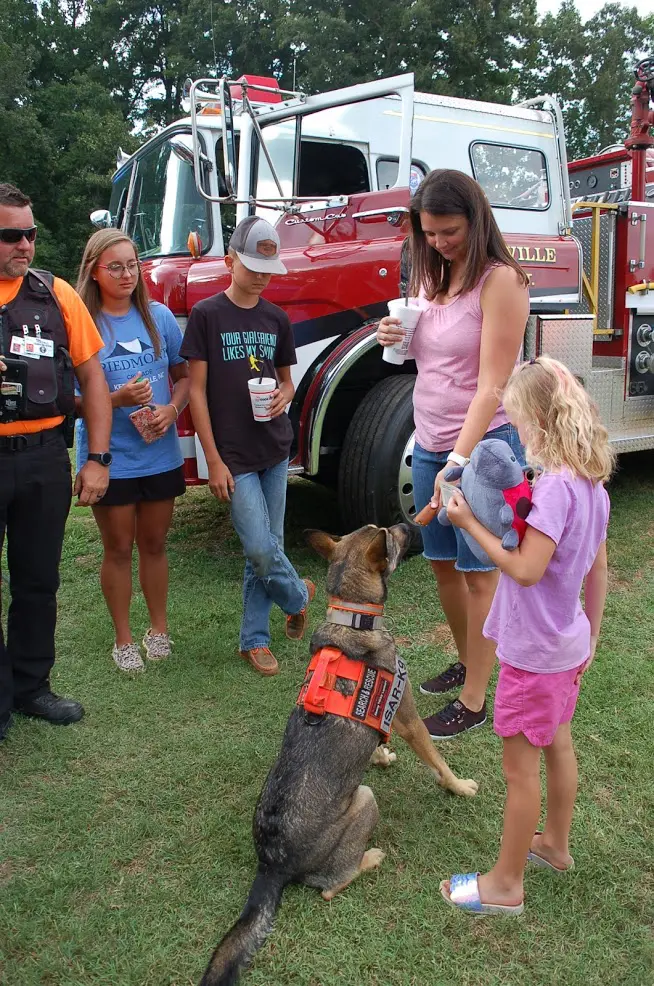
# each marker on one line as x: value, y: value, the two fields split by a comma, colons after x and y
x: 166, y: 205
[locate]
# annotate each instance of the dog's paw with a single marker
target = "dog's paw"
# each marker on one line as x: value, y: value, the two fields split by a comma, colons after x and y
x: 372, y: 858
x: 383, y: 757
x: 467, y: 788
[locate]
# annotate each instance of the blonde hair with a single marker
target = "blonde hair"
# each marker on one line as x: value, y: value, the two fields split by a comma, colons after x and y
x: 561, y: 422
x: 89, y: 290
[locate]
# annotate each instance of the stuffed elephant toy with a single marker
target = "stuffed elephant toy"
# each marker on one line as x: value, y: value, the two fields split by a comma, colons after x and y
x: 498, y: 493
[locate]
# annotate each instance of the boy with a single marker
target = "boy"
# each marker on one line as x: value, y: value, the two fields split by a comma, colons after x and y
x: 231, y: 338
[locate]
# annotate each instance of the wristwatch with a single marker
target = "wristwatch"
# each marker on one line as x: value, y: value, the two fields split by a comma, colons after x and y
x: 460, y: 460
x: 104, y: 458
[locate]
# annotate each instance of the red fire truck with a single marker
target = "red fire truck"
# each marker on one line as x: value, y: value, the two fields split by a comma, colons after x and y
x: 334, y: 172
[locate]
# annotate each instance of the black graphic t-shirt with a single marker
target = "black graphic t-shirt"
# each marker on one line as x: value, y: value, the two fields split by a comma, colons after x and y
x: 237, y: 343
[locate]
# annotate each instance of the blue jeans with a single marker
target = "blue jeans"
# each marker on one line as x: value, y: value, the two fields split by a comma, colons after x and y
x: 447, y: 543
x: 258, y: 505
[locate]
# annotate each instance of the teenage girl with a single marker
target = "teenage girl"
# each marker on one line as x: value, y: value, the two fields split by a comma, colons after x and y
x: 545, y: 641
x: 140, y: 359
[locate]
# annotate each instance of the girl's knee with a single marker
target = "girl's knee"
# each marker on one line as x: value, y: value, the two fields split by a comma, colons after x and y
x: 152, y: 545
x: 482, y: 583
x: 119, y: 552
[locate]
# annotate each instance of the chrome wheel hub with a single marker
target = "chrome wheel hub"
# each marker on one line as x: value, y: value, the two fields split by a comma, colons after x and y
x: 405, y: 482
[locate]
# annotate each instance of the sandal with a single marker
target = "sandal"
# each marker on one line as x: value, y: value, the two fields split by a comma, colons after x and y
x: 545, y: 864
x: 464, y: 895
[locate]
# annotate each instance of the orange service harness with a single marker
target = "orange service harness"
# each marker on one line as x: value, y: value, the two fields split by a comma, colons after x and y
x: 375, y: 694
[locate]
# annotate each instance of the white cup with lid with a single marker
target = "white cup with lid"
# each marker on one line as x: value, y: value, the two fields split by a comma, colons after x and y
x: 409, y: 316
x: 261, y: 396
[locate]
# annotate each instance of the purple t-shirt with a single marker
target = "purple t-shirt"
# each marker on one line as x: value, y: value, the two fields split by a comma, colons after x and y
x: 542, y: 627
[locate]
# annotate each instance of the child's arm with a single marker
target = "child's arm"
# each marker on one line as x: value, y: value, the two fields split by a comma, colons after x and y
x: 595, y: 597
x: 221, y: 481
x: 526, y: 564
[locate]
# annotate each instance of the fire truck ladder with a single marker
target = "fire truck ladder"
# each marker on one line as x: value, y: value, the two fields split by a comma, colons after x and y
x: 591, y: 285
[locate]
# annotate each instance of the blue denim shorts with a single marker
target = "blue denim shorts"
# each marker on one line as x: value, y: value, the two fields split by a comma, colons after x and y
x: 447, y: 543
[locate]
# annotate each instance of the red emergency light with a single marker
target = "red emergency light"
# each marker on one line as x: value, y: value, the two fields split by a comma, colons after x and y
x: 257, y: 95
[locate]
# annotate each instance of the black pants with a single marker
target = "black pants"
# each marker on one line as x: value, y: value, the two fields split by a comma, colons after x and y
x: 35, y: 493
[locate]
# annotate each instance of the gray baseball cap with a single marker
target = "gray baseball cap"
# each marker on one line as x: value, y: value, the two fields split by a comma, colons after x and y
x: 249, y: 243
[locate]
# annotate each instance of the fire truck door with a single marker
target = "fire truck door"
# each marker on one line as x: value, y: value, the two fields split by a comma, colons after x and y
x: 294, y: 113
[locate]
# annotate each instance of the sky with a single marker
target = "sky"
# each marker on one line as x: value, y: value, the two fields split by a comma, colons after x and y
x: 589, y: 7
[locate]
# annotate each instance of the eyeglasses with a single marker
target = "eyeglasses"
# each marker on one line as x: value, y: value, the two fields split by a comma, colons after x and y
x: 9, y: 234
x: 116, y: 270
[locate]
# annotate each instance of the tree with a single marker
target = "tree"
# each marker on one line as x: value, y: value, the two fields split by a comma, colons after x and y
x: 589, y: 67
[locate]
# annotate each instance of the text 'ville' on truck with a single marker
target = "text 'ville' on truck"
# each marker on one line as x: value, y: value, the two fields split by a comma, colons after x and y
x: 334, y: 173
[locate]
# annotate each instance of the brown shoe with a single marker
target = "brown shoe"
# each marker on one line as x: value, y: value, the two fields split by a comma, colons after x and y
x: 262, y: 660
x: 296, y: 623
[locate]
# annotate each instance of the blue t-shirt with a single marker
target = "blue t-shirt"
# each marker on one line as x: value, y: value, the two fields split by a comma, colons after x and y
x: 128, y: 349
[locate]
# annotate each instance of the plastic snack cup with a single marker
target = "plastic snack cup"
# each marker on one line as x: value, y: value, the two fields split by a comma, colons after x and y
x: 409, y: 315
x: 447, y: 489
x: 261, y: 395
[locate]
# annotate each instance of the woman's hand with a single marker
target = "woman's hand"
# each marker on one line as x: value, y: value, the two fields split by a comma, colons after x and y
x: 389, y: 331
x: 437, y: 499
x: 164, y: 416
x: 458, y: 511
x: 135, y: 391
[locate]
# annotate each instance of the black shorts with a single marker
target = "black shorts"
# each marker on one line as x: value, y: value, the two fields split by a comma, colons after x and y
x: 144, y: 489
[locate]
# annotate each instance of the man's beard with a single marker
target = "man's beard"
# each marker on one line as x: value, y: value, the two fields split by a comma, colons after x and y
x: 13, y: 268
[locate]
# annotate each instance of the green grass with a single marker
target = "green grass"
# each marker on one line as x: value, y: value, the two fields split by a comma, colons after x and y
x: 125, y: 846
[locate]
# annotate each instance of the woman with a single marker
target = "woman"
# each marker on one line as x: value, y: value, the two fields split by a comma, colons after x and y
x: 475, y: 306
x: 140, y: 357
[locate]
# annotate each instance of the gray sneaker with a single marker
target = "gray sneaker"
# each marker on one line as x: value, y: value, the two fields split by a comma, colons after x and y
x: 158, y: 646
x: 128, y: 657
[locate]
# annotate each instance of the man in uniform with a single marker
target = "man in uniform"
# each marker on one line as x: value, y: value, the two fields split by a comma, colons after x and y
x: 47, y: 338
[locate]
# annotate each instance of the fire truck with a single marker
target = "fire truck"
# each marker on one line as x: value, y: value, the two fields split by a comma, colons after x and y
x: 334, y: 172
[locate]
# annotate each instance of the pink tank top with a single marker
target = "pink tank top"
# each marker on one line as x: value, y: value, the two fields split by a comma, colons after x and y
x: 446, y: 346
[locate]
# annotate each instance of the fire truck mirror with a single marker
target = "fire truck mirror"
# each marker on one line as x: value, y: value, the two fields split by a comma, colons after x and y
x: 229, y: 144
x: 101, y: 218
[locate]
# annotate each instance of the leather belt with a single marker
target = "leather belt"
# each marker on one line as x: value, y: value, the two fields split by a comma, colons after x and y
x: 18, y: 443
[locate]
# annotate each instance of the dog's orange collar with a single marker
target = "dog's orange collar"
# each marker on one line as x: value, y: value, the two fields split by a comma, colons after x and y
x: 370, y: 609
x: 374, y: 696
x: 358, y: 616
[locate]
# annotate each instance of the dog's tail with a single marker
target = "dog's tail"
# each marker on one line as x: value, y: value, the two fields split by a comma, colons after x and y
x: 237, y: 948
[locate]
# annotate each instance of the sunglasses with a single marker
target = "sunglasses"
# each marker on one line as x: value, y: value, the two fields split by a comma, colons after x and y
x: 10, y: 234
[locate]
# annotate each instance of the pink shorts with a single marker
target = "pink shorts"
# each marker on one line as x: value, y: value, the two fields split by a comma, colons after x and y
x: 534, y: 704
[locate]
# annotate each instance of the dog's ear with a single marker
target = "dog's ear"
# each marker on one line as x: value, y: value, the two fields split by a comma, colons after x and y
x: 323, y: 543
x: 384, y: 551
x: 377, y: 551
x: 395, y: 548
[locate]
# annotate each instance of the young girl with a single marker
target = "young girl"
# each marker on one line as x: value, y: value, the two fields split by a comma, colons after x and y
x: 475, y: 306
x: 545, y: 640
x: 140, y: 356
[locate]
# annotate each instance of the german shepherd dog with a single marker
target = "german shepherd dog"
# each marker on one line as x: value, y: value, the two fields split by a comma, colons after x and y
x: 314, y: 818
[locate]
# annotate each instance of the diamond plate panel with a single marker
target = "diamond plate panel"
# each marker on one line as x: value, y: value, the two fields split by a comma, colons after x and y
x: 529, y: 346
x: 568, y: 338
x: 600, y: 386
x: 630, y: 423
x: 582, y: 230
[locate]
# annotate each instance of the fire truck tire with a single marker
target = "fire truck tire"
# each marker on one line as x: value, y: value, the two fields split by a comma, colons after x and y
x: 375, y: 442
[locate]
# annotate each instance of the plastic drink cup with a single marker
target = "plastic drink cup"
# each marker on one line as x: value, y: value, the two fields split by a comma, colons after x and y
x: 261, y: 395
x: 409, y: 315
x: 447, y: 489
